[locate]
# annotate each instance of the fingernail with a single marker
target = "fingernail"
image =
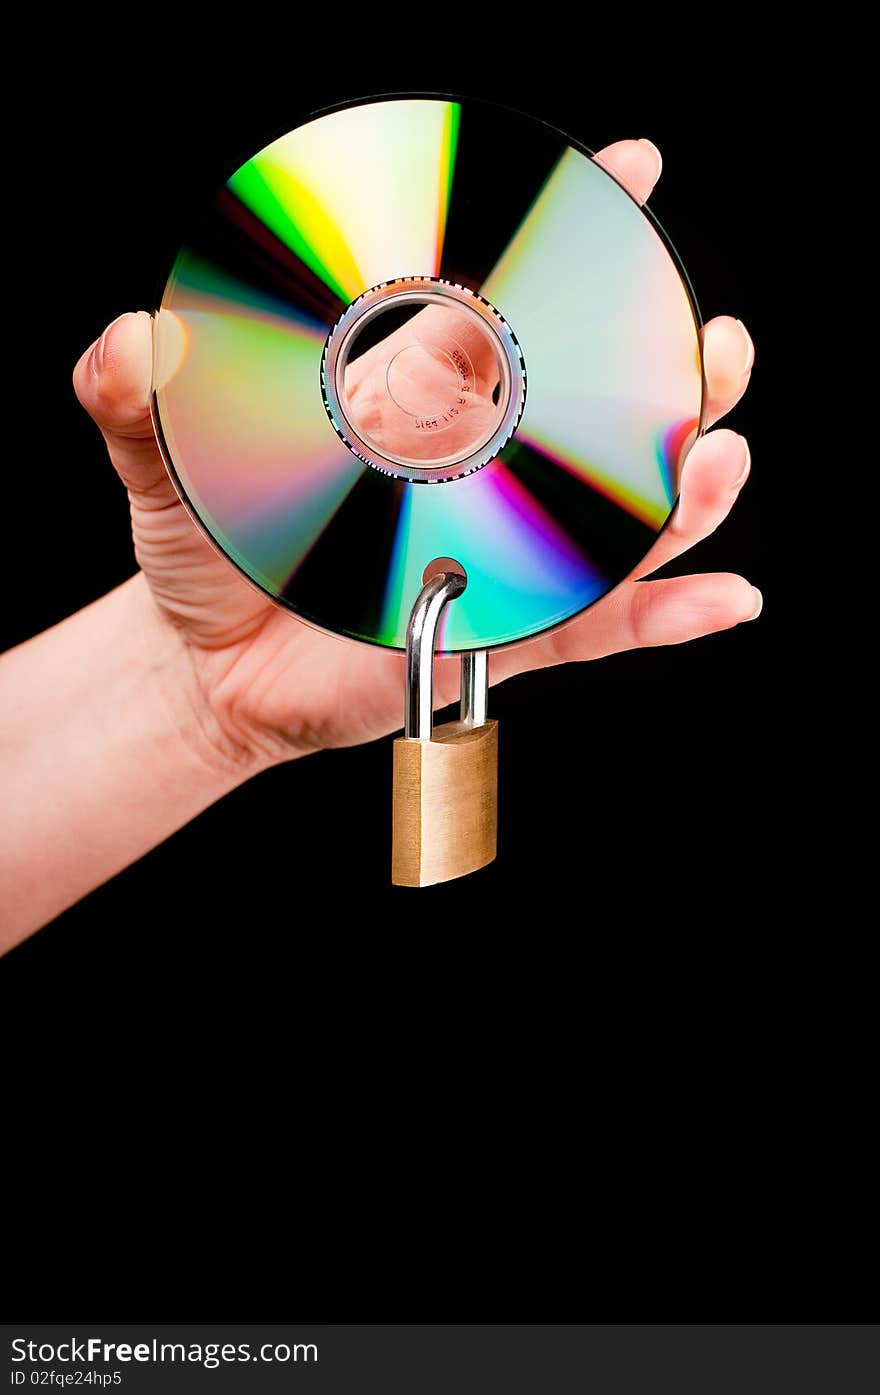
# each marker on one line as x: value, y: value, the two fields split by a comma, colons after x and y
x: 98, y: 355
x: 750, y: 349
x: 643, y: 140
x: 759, y: 604
x: 747, y: 465
x: 100, y: 348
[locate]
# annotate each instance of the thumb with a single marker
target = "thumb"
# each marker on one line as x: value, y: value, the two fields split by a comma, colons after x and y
x: 113, y: 381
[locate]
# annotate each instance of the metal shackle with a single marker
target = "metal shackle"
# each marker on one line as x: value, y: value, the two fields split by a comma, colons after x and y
x: 421, y: 642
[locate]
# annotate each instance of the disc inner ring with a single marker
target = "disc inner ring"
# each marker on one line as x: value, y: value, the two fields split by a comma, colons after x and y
x: 423, y: 379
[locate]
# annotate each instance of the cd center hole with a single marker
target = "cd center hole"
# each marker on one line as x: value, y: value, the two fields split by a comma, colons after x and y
x: 421, y: 379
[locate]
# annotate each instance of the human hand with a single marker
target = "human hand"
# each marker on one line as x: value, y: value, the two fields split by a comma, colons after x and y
x: 264, y: 687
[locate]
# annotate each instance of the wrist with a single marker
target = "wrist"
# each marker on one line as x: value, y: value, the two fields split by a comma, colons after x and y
x: 175, y: 682
x: 109, y: 747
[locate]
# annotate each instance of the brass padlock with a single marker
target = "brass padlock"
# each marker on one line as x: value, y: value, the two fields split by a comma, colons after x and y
x: 445, y: 819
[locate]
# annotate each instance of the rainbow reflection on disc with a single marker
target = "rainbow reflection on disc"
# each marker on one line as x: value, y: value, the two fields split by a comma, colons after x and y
x: 421, y: 328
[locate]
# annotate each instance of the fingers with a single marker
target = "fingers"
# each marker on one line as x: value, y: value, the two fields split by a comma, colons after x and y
x: 112, y: 381
x: 728, y: 351
x: 636, y: 164
x: 641, y: 614
x: 718, y: 466
x: 714, y: 473
x: 687, y: 607
x: 728, y: 356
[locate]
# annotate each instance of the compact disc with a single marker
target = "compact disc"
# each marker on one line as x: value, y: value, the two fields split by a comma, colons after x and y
x: 420, y: 328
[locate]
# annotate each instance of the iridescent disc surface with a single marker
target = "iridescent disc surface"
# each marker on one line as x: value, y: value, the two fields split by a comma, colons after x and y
x: 420, y: 328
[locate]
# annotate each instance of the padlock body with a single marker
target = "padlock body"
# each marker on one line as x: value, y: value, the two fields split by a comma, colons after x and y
x: 445, y: 804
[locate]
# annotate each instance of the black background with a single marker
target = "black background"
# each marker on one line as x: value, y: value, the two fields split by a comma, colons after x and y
x: 592, y: 1079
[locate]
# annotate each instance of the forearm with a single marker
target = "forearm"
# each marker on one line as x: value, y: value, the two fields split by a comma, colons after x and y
x: 105, y: 750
